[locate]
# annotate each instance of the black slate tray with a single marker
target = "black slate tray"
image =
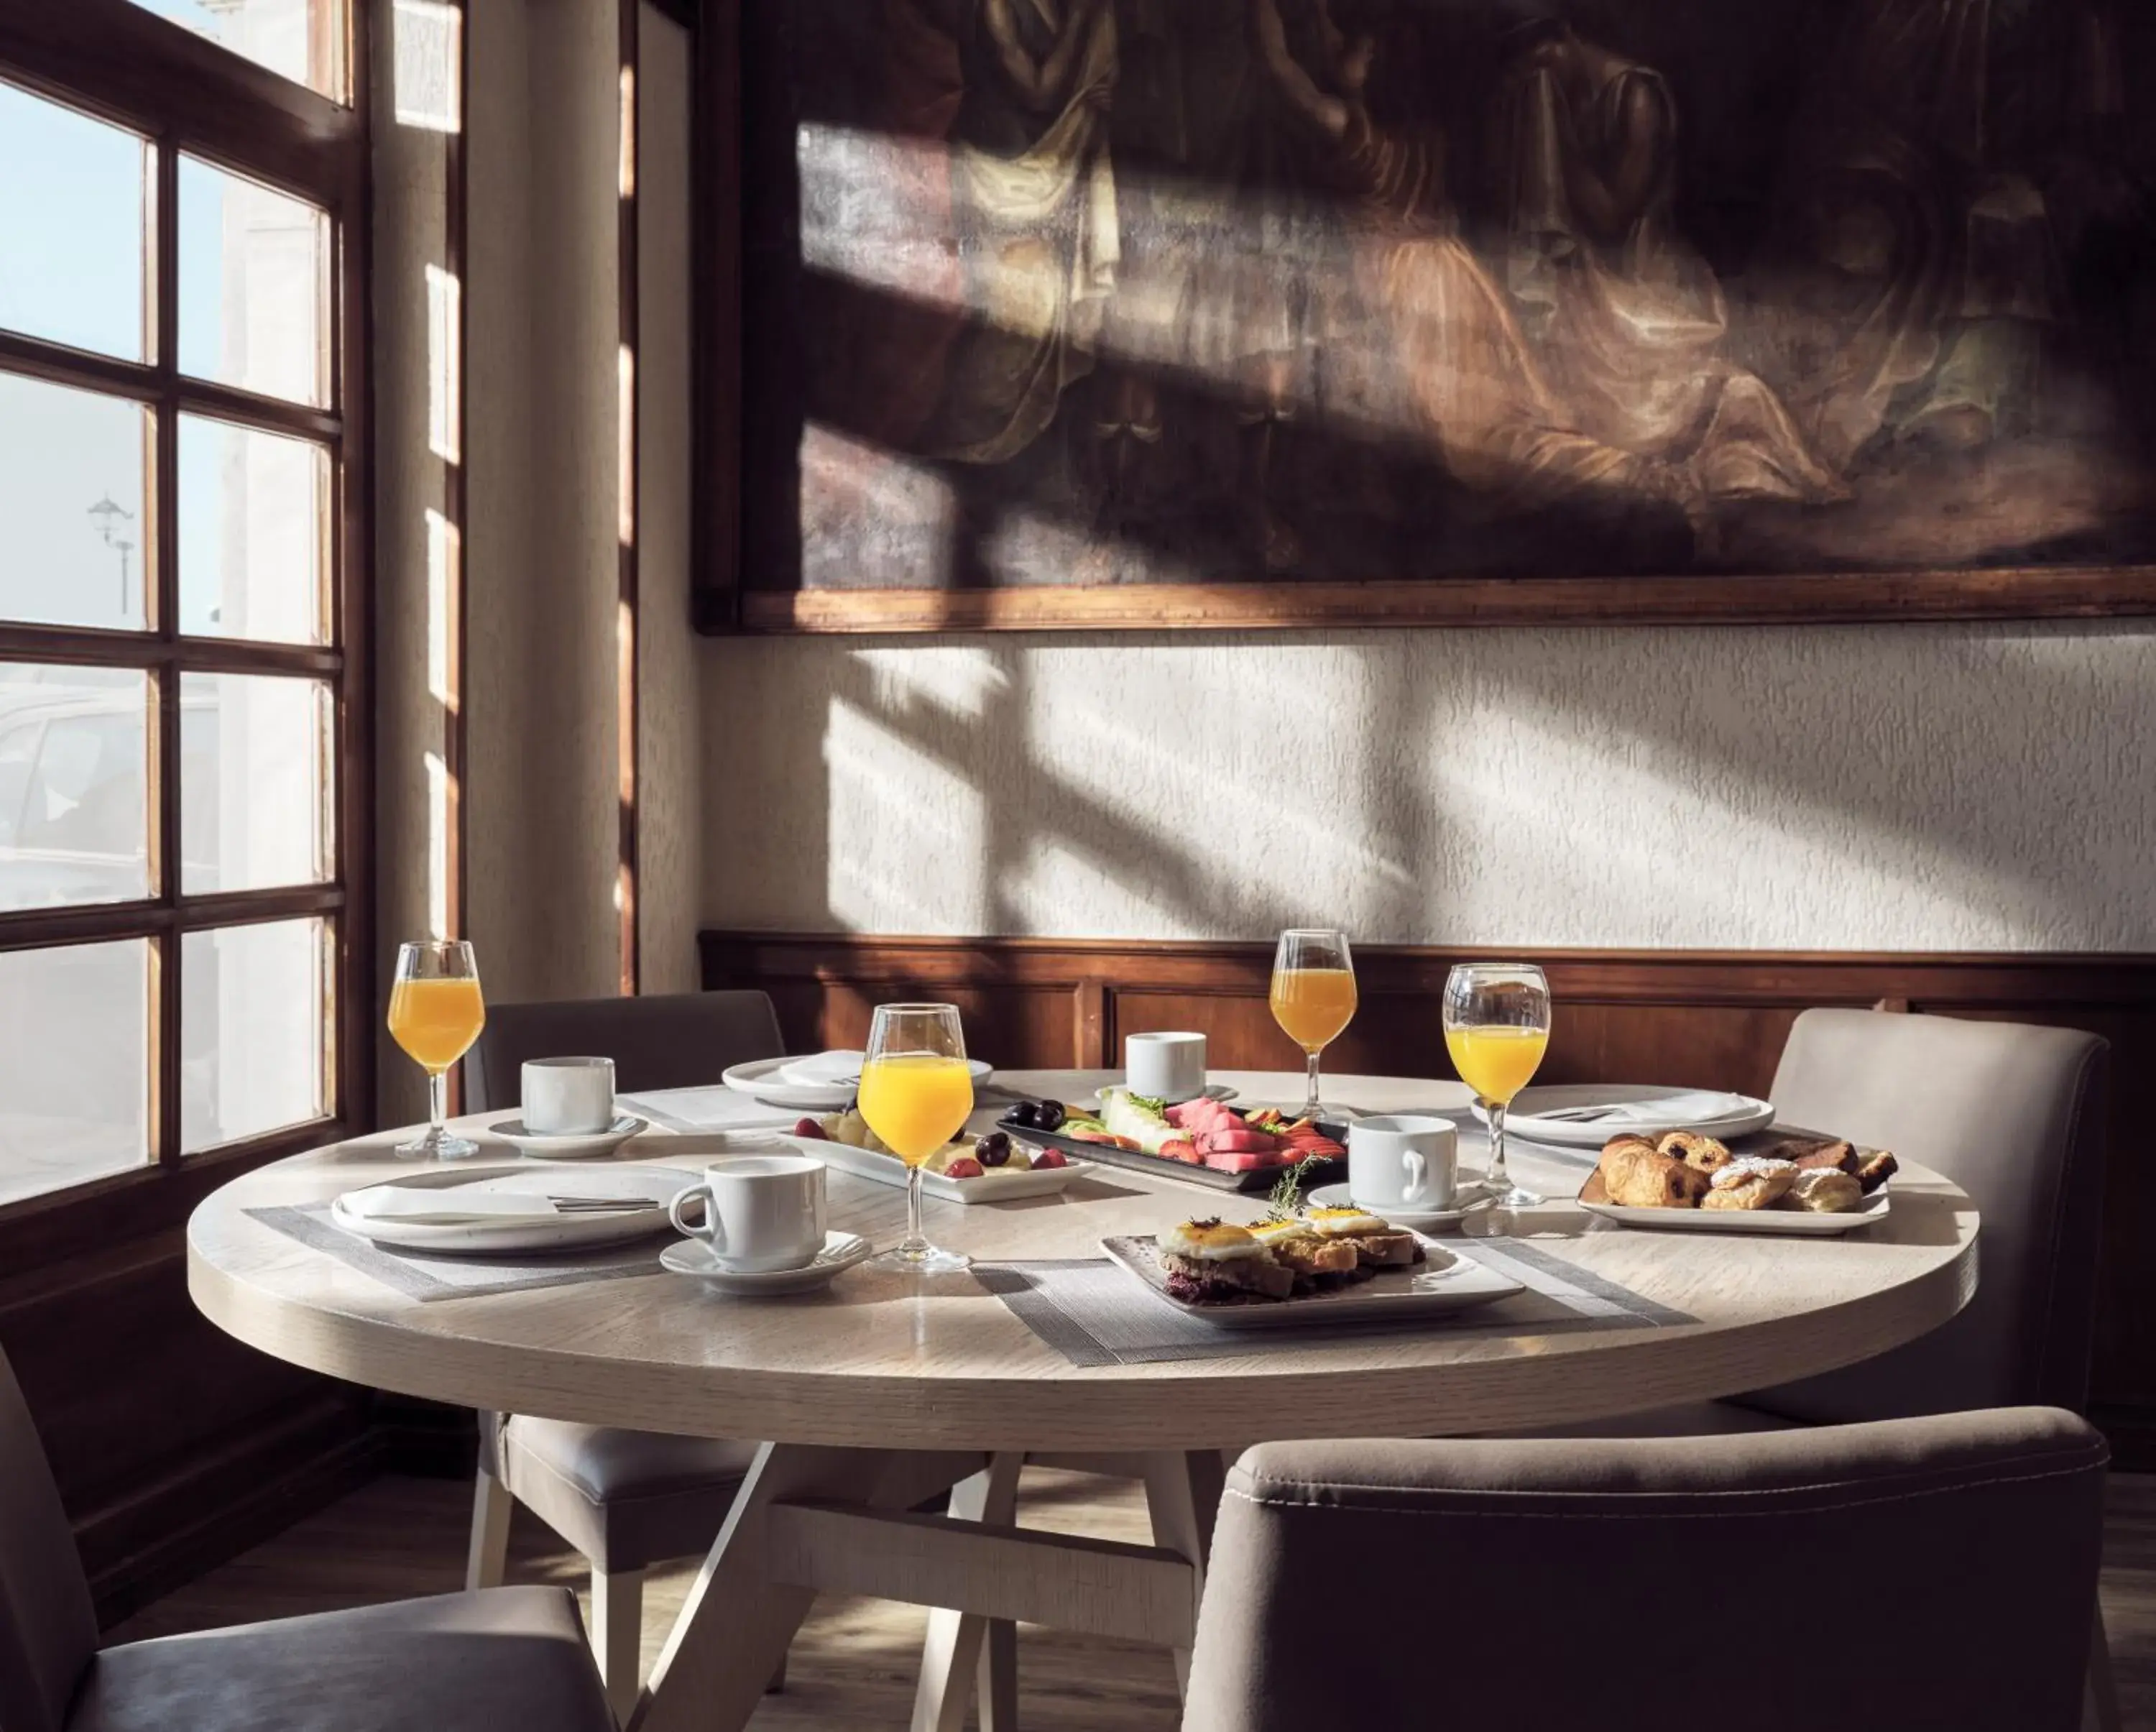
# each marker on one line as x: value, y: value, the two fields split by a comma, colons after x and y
x: 1331, y: 1170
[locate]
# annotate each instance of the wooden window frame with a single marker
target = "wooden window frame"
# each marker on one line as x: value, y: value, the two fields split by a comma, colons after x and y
x: 119, y: 62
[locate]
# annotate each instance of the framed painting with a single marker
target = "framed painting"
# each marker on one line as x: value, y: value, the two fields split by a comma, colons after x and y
x: 1156, y: 313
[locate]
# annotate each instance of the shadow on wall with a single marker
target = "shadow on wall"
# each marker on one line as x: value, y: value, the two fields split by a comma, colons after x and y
x: 1836, y: 787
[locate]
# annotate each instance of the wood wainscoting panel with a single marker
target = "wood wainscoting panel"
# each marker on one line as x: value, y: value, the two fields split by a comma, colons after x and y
x: 175, y: 1446
x: 1714, y: 1019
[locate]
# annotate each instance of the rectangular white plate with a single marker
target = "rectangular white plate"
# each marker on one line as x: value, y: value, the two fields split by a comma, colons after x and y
x: 1799, y: 1222
x: 995, y: 1185
x: 1447, y: 1282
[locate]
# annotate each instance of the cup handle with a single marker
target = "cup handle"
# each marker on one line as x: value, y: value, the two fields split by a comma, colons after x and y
x: 1418, y: 1171
x: 712, y: 1232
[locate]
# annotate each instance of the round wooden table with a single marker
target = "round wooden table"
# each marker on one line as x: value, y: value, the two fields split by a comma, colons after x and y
x: 882, y: 1391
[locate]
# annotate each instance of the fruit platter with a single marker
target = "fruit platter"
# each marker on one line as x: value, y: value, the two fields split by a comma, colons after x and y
x: 1204, y: 1141
x: 993, y: 1167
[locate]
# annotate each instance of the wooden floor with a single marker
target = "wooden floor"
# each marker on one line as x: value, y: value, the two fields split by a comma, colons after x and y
x: 854, y: 1663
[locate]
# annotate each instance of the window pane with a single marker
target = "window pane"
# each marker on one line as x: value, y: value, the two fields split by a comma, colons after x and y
x: 253, y: 999
x: 75, y: 541
x: 254, y: 264
x: 74, y: 1067
x: 255, y: 782
x: 251, y: 514
x: 73, y: 200
x: 301, y: 39
x: 73, y: 750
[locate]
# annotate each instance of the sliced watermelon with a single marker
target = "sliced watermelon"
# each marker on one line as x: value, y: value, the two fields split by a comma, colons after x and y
x: 1240, y: 1140
x: 1240, y: 1160
x: 1181, y: 1148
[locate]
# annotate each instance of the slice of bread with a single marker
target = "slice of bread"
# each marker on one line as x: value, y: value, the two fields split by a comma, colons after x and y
x: 1206, y: 1283
x: 1388, y: 1251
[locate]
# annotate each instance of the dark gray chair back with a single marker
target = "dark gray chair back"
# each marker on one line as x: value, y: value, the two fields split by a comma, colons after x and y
x: 1925, y: 1572
x: 48, y: 1628
x: 675, y: 1042
x: 2014, y: 1115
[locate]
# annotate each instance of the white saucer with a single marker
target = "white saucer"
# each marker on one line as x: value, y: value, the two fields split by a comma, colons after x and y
x: 574, y: 1146
x: 1420, y: 1221
x: 1212, y: 1092
x: 694, y: 1257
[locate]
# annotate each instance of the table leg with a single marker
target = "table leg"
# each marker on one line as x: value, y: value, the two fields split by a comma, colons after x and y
x: 1182, y: 1494
x: 737, y: 1621
x: 959, y: 1643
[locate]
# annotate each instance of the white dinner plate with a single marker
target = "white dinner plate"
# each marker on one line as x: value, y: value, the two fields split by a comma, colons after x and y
x: 1526, y: 1121
x: 996, y: 1184
x: 557, y: 1146
x: 763, y: 1079
x: 1799, y: 1223
x: 1420, y: 1220
x: 541, y: 1233
x: 1447, y: 1282
x: 694, y: 1257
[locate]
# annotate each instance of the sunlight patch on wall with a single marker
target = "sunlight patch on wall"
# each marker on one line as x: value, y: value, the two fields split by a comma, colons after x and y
x: 908, y: 831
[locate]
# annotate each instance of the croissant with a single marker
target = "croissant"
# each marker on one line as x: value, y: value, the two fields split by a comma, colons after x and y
x: 1638, y: 1177
x: 1753, y: 1182
x: 1704, y: 1153
x: 1876, y: 1168
x: 1823, y: 1190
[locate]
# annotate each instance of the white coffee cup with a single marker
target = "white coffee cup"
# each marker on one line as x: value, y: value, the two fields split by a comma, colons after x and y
x: 1165, y: 1067
x: 1401, y: 1161
x: 568, y: 1097
x: 761, y: 1211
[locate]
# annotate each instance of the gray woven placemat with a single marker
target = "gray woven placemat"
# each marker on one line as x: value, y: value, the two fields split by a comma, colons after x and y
x: 417, y: 1275
x: 1095, y: 1313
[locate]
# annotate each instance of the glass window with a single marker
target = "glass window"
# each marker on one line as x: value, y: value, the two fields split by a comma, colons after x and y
x: 74, y: 539
x: 254, y: 285
x: 255, y: 789
x: 251, y: 1030
x: 74, y: 1072
x: 252, y: 510
x: 74, y: 199
x: 74, y: 811
x: 303, y: 40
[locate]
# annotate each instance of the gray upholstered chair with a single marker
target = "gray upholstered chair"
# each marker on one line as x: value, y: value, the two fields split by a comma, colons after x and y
x: 626, y: 1500
x: 510, y: 1656
x: 2015, y: 1115
x: 1939, y: 1571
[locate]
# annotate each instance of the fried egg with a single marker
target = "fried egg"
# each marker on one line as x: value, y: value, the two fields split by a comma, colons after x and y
x: 1275, y: 1232
x: 1346, y: 1223
x: 1211, y: 1242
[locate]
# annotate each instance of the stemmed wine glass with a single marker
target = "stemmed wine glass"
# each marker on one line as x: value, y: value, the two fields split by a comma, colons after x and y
x: 435, y: 1012
x: 1496, y: 1027
x: 916, y: 1093
x: 1313, y: 996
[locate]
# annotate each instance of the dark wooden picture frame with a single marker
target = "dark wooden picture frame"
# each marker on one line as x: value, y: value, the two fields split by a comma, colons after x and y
x: 743, y: 467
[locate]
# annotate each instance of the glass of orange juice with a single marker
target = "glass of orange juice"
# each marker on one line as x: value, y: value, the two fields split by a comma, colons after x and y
x: 1496, y: 1027
x: 1313, y: 996
x: 435, y: 1012
x: 915, y: 1094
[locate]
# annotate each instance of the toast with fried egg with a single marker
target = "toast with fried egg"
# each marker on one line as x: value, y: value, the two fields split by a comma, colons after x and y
x: 1215, y: 1262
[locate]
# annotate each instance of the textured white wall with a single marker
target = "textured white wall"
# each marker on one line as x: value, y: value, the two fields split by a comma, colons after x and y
x: 1889, y: 788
